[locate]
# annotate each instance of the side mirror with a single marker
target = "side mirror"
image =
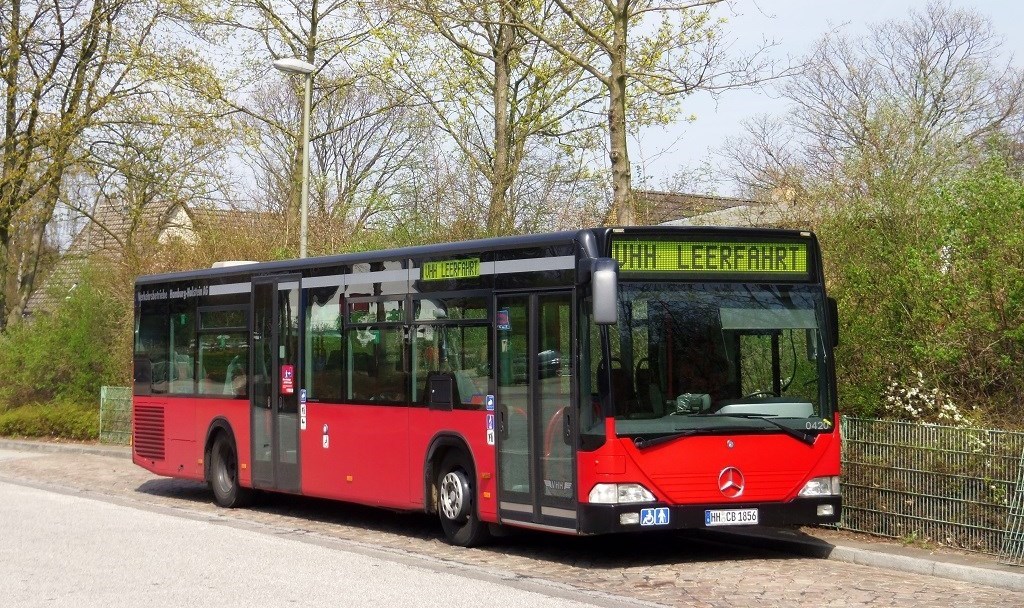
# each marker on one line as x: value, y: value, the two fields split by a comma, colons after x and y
x: 833, y: 320
x: 605, y: 283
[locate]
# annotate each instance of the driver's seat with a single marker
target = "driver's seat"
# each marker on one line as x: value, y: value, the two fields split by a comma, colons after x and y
x: 649, y: 392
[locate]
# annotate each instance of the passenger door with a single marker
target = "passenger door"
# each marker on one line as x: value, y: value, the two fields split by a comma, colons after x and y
x: 536, y: 393
x: 274, y: 382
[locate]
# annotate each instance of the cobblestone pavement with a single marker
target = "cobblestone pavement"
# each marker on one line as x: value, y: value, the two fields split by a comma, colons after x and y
x: 675, y: 569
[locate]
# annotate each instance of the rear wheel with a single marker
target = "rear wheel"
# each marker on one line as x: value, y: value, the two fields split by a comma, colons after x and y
x: 456, y: 502
x: 223, y: 478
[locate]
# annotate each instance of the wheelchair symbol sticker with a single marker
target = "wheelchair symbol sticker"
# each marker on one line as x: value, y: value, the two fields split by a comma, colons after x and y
x: 654, y: 517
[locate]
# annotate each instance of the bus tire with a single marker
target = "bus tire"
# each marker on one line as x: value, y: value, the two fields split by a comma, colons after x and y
x: 456, y: 502
x: 227, y: 492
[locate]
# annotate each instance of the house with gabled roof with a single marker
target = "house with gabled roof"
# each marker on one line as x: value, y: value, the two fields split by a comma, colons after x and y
x: 682, y: 209
x: 114, y: 229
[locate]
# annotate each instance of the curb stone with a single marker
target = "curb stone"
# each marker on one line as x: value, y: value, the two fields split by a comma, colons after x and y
x: 992, y: 576
x: 115, y: 451
x: 976, y: 569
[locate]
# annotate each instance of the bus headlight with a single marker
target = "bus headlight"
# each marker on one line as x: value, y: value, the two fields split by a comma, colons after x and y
x: 620, y: 493
x: 821, y: 486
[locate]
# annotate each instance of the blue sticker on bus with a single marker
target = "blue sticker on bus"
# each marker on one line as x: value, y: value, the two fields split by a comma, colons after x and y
x: 489, y: 401
x: 490, y: 422
x: 504, y: 323
x: 654, y: 517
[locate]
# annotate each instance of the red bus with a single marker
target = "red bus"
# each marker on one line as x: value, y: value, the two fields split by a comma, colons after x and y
x: 584, y: 382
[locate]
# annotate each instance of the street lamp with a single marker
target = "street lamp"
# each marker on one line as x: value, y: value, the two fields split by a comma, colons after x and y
x: 292, y: 65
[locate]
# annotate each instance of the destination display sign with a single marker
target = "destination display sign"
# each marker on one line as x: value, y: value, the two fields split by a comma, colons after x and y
x: 181, y: 293
x: 717, y: 257
x: 450, y: 269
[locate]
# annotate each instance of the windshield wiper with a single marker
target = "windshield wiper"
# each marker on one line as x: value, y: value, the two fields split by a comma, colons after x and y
x: 807, y: 438
x: 794, y: 433
x: 643, y: 444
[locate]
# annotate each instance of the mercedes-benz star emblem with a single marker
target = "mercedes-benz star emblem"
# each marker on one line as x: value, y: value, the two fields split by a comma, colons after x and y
x: 731, y: 482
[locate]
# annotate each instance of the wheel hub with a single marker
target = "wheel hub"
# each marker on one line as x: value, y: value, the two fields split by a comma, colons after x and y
x: 453, y: 496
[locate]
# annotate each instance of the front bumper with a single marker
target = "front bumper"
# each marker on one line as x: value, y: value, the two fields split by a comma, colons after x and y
x: 604, y: 519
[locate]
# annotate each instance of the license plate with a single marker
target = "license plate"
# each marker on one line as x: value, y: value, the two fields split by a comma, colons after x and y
x: 730, y: 517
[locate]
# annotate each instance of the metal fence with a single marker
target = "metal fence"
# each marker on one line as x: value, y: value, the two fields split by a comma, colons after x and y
x: 1012, y: 551
x: 115, y: 414
x: 946, y: 485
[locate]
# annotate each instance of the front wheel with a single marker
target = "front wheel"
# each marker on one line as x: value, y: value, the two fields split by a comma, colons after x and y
x: 456, y: 503
x: 223, y: 477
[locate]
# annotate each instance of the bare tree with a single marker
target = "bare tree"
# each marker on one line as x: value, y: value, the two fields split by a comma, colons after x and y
x: 764, y: 162
x: 651, y: 54
x: 330, y: 34
x: 359, y: 162
x: 270, y: 153
x: 491, y: 87
x: 365, y: 154
x: 555, y: 191
x: 906, y: 104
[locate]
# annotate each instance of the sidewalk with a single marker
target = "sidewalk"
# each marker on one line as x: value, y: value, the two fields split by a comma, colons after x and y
x: 824, y: 544
x: 888, y: 555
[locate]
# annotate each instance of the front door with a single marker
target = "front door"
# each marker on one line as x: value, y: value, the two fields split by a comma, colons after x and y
x: 274, y: 379
x: 536, y: 380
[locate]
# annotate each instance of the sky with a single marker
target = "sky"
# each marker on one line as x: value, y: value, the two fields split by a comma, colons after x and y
x: 795, y: 25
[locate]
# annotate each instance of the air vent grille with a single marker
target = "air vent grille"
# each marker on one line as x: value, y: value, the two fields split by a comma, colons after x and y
x: 149, y: 431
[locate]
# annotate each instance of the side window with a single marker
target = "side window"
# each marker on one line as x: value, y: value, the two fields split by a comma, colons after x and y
x: 183, y: 348
x: 152, y: 349
x: 223, y: 352
x: 468, y: 352
x: 452, y: 336
x: 376, y: 353
x: 425, y: 358
x: 460, y: 350
x: 324, y: 355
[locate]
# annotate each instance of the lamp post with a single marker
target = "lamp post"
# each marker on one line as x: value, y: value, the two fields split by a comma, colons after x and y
x: 292, y: 65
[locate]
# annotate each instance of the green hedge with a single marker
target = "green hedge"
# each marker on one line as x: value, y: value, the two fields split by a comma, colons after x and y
x: 931, y: 293
x: 63, y: 420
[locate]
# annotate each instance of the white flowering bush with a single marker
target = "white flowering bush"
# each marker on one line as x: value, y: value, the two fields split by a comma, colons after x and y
x: 914, y: 401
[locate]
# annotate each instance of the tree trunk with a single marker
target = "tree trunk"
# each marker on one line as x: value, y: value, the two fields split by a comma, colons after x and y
x: 501, y: 174
x: 622, y: 192
x: 4, y: 271
x: 27, y: 278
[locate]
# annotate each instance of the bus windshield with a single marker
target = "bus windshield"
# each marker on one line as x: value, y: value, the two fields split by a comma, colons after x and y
x: 709, y: 357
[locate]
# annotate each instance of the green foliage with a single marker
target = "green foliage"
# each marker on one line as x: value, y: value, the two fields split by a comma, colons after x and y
x: 64, y: 419
x: 66, y: 355
x: 932, y: 281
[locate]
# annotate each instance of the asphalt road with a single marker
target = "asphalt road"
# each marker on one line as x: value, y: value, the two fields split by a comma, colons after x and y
x: 60, y: 549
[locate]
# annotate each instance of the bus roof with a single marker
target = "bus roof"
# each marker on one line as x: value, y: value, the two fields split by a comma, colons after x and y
x: 591, y: 235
